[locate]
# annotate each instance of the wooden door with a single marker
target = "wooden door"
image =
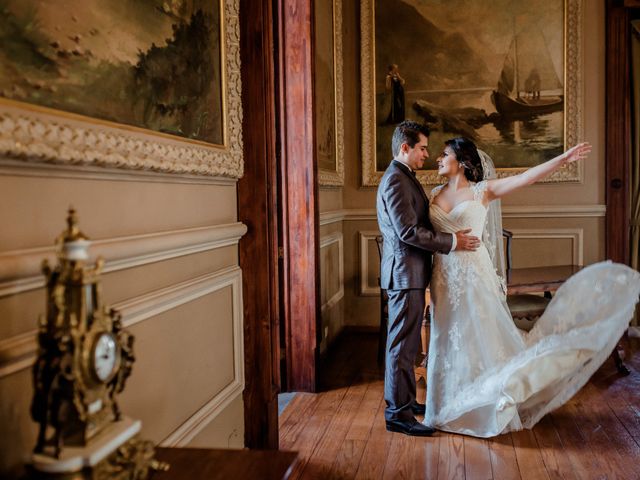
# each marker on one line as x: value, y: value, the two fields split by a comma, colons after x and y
x: 257, y: 209
x: 618, y: 129
x: 299, y: 199
x: 277, y: 200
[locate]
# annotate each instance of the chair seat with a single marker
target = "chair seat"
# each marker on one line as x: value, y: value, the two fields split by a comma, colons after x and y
x: 526, y: 309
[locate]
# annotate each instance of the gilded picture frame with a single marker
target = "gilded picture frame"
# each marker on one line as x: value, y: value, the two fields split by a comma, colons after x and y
x: 377, y: 126
x: 30, y: 132
x: 328, y: 93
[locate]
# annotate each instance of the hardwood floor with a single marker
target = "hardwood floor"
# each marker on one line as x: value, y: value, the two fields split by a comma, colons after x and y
x: 340, y: 432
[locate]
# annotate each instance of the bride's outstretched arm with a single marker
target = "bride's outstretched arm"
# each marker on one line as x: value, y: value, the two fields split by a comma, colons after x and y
x: 502, y: 186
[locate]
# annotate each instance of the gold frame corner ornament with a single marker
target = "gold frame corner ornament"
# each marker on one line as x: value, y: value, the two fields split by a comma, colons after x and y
x: 42, y: 135
x: 573, y: 114
x: 331, y: 178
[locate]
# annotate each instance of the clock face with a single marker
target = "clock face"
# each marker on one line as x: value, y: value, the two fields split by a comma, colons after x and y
x: 105, y: 357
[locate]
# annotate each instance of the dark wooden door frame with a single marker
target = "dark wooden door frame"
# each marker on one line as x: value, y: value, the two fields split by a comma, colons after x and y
x: 257, y: 209
x: 618, y: 129
x: 277, y: 201
x: 299, y: 198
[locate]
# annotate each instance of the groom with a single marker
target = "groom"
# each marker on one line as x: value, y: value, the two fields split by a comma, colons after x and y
x: 408, y: 243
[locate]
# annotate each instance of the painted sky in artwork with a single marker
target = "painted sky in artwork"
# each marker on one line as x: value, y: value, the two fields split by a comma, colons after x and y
x: 491, y: 25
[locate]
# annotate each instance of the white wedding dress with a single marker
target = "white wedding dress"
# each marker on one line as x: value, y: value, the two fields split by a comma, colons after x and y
x: 485, y: 376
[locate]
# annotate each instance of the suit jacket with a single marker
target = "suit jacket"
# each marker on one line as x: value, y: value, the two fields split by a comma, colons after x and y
x: 407, y: 232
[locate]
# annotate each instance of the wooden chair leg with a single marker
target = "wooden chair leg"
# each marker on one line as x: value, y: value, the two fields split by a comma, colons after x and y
x: 618, y: 358
x: 424, y: 337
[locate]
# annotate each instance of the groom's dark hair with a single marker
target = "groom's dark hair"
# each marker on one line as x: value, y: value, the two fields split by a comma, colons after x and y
x: 407, y: 132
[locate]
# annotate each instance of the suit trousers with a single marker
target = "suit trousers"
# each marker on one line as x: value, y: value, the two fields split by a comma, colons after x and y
x: 406, y: 310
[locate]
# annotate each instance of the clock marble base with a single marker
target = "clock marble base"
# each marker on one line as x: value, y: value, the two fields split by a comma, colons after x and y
x: 73, y: 459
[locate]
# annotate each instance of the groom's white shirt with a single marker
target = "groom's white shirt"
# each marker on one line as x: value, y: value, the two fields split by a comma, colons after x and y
x: 454, y: 244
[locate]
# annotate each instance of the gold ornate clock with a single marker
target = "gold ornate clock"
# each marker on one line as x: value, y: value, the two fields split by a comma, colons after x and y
x: 84, y: 359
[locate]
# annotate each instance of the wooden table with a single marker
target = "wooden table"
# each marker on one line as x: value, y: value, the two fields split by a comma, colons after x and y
x: 211, y: 464
x: 538, y: 279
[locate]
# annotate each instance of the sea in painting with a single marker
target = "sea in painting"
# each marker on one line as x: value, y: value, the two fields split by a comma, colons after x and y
x: 493, y: 73
x: 154, y: 64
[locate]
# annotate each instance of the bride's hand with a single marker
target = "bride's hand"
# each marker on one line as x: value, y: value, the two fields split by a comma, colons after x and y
x: 579, y: 152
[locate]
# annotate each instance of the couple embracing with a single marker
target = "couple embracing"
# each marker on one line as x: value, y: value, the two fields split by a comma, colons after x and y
x: 484, y: 375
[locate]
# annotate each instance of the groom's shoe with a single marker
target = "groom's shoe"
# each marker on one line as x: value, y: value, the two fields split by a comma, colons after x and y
x: 418, y: 408
x: 410, y: 427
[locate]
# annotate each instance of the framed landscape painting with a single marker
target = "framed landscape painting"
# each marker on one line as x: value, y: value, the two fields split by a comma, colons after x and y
x: 148, y: 84
x: 328, y: 92
x: 504, y: 74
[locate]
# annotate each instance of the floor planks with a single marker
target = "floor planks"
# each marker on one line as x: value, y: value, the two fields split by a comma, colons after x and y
x: 340, y: 433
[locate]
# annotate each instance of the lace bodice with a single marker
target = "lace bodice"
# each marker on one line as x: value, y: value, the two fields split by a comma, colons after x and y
x: 466, y: 214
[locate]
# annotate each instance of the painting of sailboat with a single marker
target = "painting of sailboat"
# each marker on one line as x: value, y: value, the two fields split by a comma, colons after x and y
x: 491, y: 71
x: 525, y: 77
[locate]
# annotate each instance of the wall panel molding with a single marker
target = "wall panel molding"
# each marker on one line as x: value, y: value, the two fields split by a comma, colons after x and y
x: 20, y: 269
x: 335, y: 238
x: 186, y: 432
x: 19, y: 352
x: 366, y: 290
x: 576, y: 235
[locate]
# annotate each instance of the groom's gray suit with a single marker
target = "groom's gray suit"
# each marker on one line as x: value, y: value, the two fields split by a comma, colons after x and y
x: 408, y: 243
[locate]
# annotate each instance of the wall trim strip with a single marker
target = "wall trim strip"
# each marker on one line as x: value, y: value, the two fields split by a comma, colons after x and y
x: 508, y: 211
x: 20, y: 269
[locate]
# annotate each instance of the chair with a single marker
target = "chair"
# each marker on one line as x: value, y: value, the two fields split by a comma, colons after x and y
x: 384, y: 311
x: 525, y: 308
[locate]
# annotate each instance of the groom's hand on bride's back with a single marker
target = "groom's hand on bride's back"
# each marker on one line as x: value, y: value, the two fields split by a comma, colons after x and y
x: 464, y: 241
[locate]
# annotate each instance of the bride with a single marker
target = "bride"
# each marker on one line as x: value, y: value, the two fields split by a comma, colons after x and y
x: 485, y: 376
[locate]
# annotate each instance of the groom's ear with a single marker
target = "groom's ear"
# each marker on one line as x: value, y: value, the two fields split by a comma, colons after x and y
x: 404, y: 148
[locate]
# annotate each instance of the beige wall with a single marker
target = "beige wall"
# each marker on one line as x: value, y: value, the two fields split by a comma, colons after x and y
x: 170, y: 246
x: 561, y: 223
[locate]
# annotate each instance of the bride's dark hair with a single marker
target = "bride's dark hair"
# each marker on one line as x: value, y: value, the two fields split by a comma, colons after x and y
x: 467, y: 154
